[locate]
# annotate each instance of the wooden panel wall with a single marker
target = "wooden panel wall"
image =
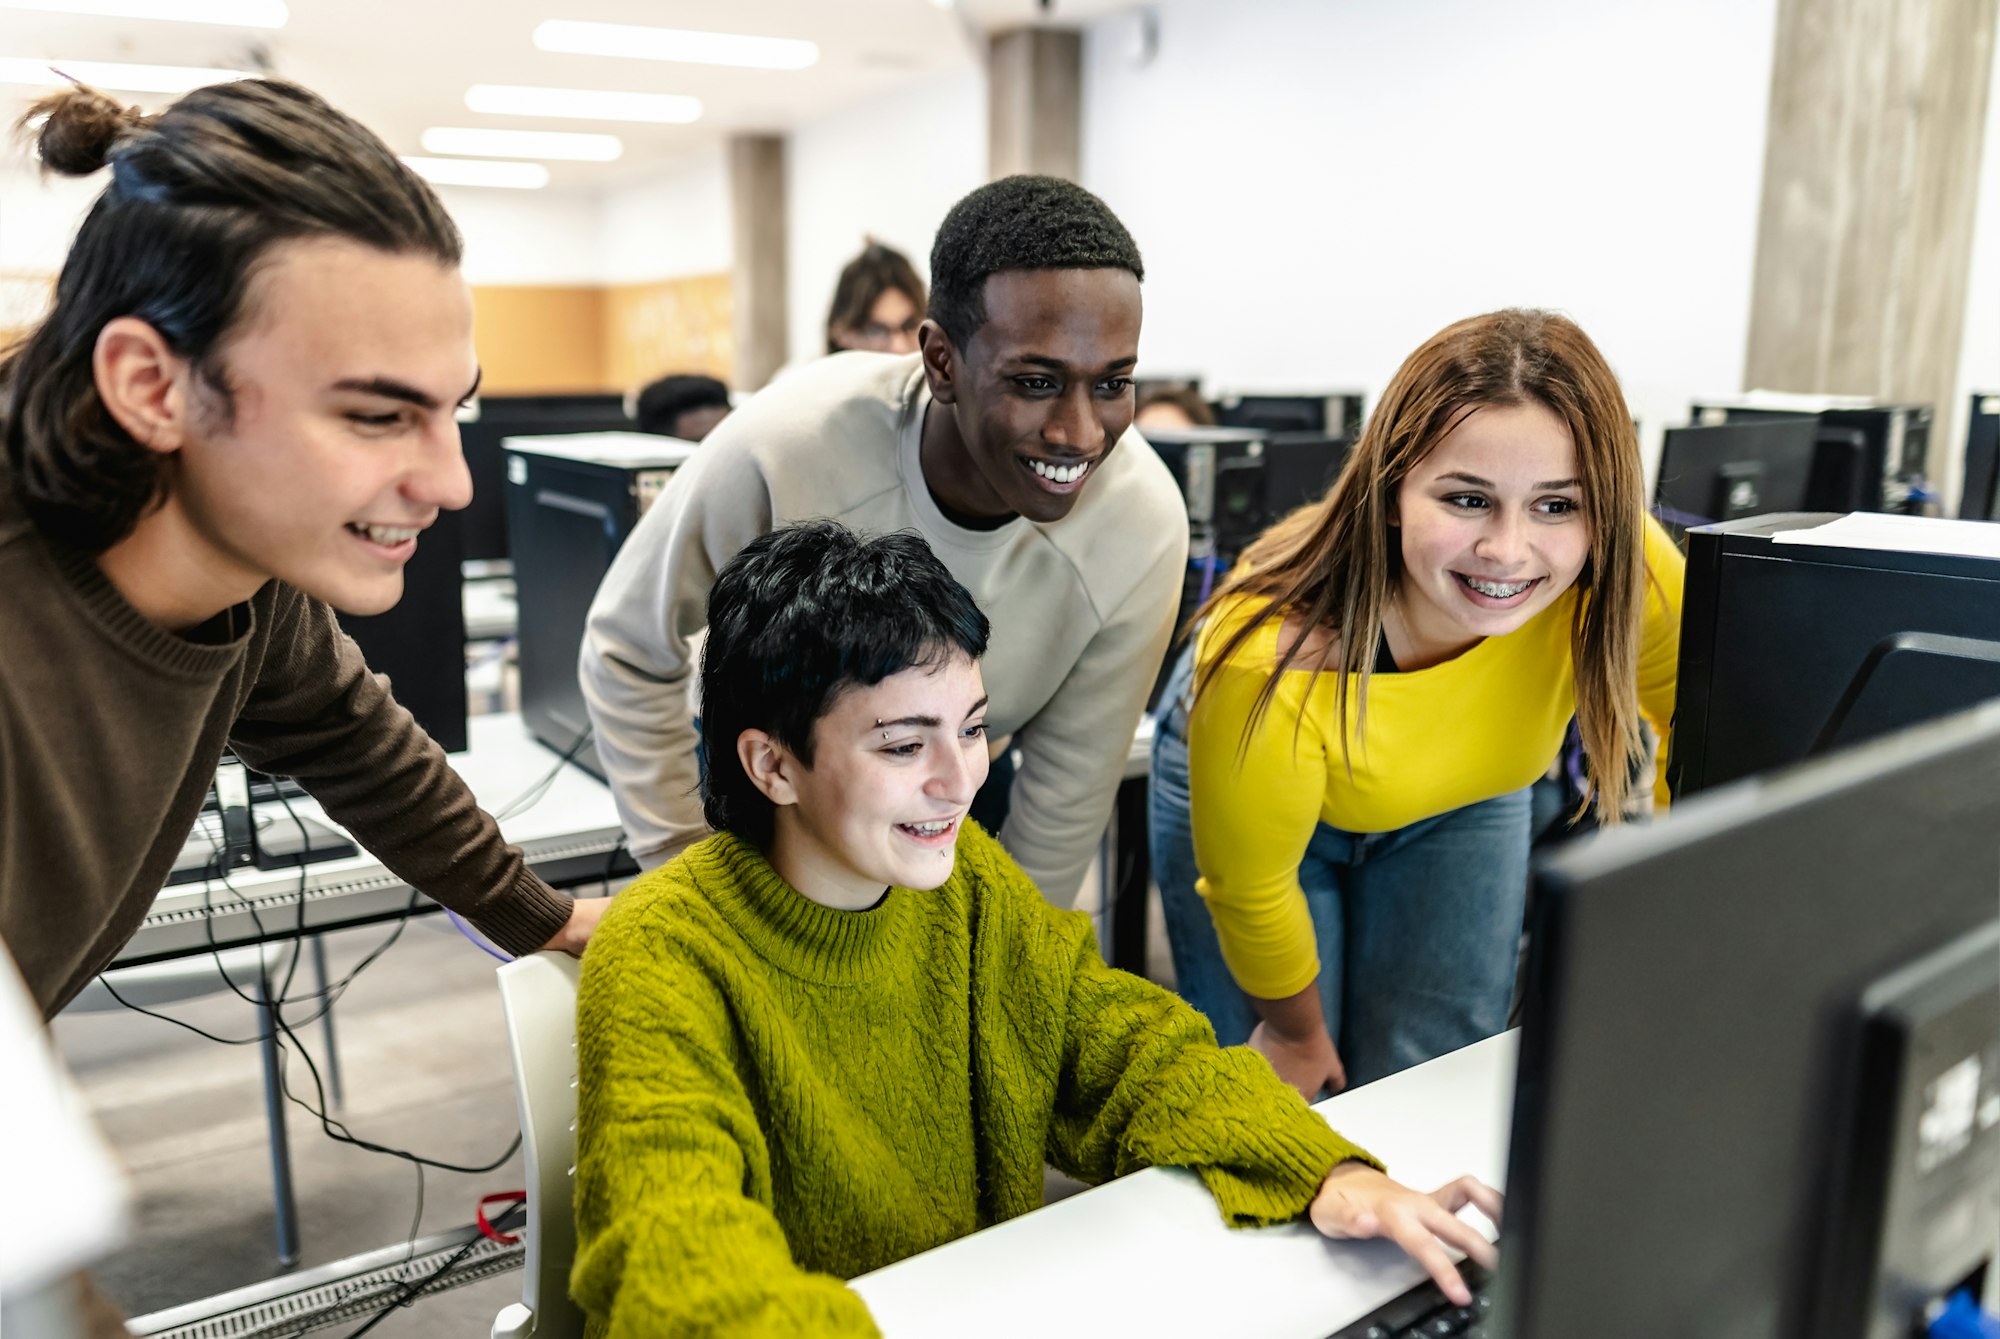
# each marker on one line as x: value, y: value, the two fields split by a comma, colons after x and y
x: 580, y: 338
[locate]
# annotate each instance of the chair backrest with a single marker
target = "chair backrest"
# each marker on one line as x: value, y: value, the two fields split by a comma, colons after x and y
x: 538, y: 993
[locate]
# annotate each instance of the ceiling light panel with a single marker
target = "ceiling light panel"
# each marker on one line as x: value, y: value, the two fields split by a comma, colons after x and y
x: 677, y: 44
x: 564, y: 146
x: 582, y: 104
x: 474, y: 172
x: 114, y: 77
x: 229, y: 13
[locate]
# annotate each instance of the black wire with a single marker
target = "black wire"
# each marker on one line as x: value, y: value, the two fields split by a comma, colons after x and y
x: 411, y: 1290
x: 523, y: 802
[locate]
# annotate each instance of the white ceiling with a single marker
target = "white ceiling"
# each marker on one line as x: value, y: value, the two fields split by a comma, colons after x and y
x: 404, y: 65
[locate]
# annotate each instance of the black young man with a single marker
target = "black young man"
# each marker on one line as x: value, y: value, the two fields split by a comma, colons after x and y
x: 1003, y: 441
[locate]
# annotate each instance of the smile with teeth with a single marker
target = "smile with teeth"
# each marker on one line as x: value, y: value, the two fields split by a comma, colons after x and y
x: 1059, y: 474
x: 388, y: 536
x: 1495, y: 590
x: 934, y: 829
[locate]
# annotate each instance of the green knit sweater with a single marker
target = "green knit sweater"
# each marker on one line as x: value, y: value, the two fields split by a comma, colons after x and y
x: 776, y: 1096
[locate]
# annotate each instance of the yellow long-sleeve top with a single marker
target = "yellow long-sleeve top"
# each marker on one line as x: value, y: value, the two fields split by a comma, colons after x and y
x: 1484, y: 724
x: 775, y: 1096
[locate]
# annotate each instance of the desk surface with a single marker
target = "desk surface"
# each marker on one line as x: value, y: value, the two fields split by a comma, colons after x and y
x: 570, y: 832
x: 1148, y: 1254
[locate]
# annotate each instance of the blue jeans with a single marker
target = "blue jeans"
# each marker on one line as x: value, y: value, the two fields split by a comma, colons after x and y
x: 1418, y: 929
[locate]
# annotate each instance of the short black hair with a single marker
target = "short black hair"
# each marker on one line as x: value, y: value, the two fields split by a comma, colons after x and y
x: 800, y: 615
x: 662, y: 403
x: 1020, y: 223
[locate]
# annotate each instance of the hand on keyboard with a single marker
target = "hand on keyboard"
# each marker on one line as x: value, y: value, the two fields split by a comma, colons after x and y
x: 1358, y: 1201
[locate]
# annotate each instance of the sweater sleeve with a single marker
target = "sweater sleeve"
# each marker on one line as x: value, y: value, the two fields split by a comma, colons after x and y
x: 1143, y: 1084
x: 1254, y: 806
x: 1073, y: 752
x: 675, y: 1234
x: 316, y: 713
x: 1660, y: 644
x: 637, y: 663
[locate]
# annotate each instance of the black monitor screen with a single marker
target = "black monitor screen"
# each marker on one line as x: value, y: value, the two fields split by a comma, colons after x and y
x: 504, y: 416
x: 1694, y: 986
x: 1732, y: 470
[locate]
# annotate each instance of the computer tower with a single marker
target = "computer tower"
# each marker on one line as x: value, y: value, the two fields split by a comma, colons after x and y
x: 1871, y: 472
x: 1982, y: 459
x: 420, y: 643
x: 571, y: 501
x: 488, y: 421
x: 1790, y: 649
x: 1221, y: 474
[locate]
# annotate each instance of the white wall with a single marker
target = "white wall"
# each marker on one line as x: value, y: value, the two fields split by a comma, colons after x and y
x: 1318, y: 187
x: 675, y: 224
x: 525, y: 237
x: 38, y: 217
x: 1979, y: 358
x: 889, y: 169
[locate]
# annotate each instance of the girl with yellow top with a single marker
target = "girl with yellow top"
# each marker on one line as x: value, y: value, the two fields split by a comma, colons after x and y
x: 1340, y: 819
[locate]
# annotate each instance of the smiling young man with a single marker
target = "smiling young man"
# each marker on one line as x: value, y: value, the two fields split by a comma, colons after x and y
x: 847, y: 1029
x: 237, y: 418
x: 1004, y: 442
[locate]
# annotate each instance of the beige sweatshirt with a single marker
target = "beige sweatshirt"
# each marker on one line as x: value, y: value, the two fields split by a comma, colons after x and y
x: 1081, y: 609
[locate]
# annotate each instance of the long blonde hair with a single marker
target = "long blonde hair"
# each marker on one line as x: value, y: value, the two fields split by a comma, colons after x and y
x: 1332, y: 565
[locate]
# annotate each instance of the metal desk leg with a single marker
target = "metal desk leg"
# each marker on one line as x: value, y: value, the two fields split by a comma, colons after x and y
x: 1132, y: 876
x: 335, y: 1094
x: 284, y: 1201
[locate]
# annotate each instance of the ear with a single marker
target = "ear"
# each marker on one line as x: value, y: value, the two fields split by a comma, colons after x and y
x: 144, y: 384
x: 940, y: 362
x: 769, y: 765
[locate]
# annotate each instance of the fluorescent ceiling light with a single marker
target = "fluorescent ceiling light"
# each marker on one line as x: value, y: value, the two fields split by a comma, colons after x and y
x: 468, y: 172
x: 106, y: 75
x: 625, y: 39
x: 565, y: 146
x: 232, y: 13
x: 582, y: 104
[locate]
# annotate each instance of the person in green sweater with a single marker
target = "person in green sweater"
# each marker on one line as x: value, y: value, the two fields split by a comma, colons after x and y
x: 847, y: 1028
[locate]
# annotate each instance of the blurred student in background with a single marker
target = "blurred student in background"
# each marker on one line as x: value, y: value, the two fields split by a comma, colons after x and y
x: 1173, y: 407
x: 877, y: 304
x: 687, y: 406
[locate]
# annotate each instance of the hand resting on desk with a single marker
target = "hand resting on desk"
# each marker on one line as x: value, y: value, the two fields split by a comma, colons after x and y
x: 1355, y: 1200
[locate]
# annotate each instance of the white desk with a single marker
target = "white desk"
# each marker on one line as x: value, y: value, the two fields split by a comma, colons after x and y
x: 1148, y: 1254
x: 568, y: 835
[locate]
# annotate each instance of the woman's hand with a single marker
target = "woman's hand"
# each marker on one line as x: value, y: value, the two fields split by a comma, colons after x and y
x: 1355, y: 1200
x: 1309, y: 1062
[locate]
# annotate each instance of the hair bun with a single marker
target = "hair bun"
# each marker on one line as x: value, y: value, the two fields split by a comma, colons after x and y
x: 78, y: 127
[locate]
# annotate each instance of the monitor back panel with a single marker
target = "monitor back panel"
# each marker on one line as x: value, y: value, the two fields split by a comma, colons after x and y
x: 1691, y: 1003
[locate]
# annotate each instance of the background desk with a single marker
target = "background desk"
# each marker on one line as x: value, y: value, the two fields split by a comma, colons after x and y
x: 1148, y: 1254
x: 570, y: 836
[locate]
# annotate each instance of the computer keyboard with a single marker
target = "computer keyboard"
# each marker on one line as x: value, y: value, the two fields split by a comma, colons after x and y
x: 1425, y: 1311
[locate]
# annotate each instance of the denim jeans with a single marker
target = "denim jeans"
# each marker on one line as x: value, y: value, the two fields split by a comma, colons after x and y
x: 1417, y: 929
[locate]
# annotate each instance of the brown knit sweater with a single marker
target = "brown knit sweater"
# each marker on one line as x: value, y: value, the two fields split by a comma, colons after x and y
x: 110, y: 729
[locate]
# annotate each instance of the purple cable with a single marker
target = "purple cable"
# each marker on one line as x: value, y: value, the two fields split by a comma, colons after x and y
x: 472, y: 934
x: 1207, y: 579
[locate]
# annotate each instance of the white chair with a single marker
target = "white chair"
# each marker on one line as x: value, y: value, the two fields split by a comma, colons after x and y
x: 538, y: 993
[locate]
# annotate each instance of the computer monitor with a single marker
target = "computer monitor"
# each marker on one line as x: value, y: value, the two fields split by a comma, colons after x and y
x: 1732, y: 470
x: 1788, y: 649
x: 1982, y: 459
x: 1298, y: 469
x: 1322, y: 413
x: 491, y: 419
x: 1869, y: 452
x: 1695, y: 1065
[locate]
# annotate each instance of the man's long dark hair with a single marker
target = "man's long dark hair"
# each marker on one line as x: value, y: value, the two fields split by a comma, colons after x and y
x: 198, y: 196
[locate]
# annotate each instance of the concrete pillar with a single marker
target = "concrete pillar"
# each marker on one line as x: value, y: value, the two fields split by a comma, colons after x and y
x: 1034, y: 101
x: 1871, y: 175
x: 757, y: 278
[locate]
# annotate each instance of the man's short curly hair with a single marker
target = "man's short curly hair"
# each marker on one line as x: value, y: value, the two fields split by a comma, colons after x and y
x: 1020, y: 223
